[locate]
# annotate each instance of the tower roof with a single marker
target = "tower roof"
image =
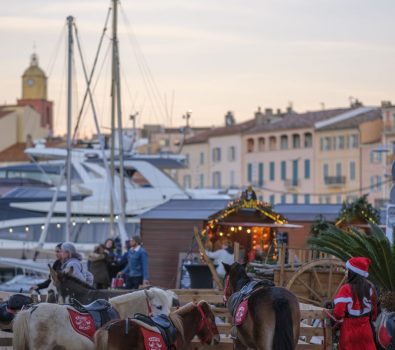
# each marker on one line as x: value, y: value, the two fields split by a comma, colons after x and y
x: 34, y: 70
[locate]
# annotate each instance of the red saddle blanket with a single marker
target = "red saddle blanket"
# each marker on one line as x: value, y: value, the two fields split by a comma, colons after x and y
x: 241, y: 313
x: 153, y: 340
x: 82, y: 323
x: 383, y: 335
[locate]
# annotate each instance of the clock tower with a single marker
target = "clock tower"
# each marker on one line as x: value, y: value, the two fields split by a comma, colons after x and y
x: 34, y: 92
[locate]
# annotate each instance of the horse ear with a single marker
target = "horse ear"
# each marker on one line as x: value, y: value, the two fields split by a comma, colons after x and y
x: 71, y: 271
x: 244, y: 265
x: 204, y: 305
x: 149, y: 293
x: 227, y: 267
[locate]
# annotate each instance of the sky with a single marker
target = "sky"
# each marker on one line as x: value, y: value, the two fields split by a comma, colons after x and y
x: 207, y: 56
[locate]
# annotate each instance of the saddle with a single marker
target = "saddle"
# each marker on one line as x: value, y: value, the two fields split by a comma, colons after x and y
x: 100, y: 310
x: 14, y: 303
x: 244, y: 293
x: 165, y: 326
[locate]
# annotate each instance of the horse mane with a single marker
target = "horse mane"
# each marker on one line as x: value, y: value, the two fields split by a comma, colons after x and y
x: 123, y: 298
x: 241, y: 275
x: 177, y: 320
x: 77, y: 281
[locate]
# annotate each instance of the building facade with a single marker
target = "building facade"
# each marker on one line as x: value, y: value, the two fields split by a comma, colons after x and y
x: 322, y: 157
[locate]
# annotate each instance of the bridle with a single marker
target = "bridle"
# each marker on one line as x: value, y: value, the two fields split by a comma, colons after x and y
x: 149, y: 307
x: 227, y: 293
x: 205, y: 324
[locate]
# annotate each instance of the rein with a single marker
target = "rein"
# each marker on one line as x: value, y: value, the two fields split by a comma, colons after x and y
x: 227, y: 282
x: 204, y: 323
x: 150, y: 314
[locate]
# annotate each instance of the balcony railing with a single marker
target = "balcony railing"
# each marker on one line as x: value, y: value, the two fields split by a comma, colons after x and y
x: 335, y: 181
x: 291, y: 183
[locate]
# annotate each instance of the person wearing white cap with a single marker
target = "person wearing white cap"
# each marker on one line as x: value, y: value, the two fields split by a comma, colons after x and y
x: 356, y: 306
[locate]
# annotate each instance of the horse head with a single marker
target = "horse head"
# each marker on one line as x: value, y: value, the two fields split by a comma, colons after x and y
x: 54, y: 276
x: 207, y: 331
x: 235, y: 278
x: 69, y: 286
x: 160, y: 300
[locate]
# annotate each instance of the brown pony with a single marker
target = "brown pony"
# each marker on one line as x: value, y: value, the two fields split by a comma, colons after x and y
x: 189, y: 320
x: 273, y: 317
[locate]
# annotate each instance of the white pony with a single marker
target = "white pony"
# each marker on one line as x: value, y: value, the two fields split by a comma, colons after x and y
x: 47, y: 326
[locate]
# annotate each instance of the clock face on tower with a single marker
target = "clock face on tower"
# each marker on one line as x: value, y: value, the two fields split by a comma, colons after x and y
x: 30, y: 82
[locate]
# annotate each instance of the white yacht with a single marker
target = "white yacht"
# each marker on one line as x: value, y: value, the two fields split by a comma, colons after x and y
x: 27, y: 192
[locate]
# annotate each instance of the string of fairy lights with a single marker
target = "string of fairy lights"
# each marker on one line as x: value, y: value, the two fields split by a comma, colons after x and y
x: 60, y: 225
x: 261, y: 237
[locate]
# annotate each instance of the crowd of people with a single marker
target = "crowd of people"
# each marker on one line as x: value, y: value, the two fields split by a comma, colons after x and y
x: 106, y: 263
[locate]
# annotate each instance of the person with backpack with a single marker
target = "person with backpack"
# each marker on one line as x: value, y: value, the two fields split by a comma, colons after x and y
x: 72, y: 263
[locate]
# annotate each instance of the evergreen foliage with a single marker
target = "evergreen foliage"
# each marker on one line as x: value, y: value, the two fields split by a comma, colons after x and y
x: 358, y: 210
x: 346, y: 244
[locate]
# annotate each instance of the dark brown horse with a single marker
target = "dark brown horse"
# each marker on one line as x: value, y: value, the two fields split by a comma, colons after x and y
x: 70, y: 287
x: 273, y: 317
x: 189, y: 320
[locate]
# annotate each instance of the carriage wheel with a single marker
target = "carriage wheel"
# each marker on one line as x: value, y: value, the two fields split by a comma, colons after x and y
x: 317, y: 282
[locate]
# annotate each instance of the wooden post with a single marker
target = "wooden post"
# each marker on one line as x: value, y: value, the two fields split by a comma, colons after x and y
x: 282, y: 263
x: 236, y: 251
x: 207, y: 259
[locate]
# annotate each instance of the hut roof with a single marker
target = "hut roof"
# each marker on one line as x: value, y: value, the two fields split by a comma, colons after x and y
x: 186, y: 209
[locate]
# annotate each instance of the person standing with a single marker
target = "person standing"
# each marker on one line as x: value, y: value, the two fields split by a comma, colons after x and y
x: 136, y: 270
x: 223, y: 255
x: 356, y: 306
x: 99, y: 261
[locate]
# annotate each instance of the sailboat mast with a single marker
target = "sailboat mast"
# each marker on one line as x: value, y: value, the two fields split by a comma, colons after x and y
x: 116, y: 107
x: 70, y: 20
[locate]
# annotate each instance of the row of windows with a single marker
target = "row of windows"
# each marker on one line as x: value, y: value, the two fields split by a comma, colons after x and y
x: 216, y: 154
x: 375, y: 186
x: 332, y: 143
x: 326, y: 144
x: 271, y: 143
x: 339, y: 172
x: 293, y: 164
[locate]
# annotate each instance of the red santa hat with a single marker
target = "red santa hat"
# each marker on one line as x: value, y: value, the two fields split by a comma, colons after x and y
x: 359, y: 265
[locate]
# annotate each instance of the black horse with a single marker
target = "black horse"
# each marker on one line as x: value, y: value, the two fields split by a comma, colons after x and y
x: 272, y: 315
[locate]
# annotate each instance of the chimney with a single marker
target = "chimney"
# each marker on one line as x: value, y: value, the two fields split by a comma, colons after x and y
x: 268, y: 112
x: 386, y: 104
x: 259, y: 116
x: 290, y: 108
x: 29, y: 141
x: 230, y: 119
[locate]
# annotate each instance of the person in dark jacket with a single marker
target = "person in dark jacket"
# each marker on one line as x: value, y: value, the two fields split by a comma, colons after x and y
x: 136, y: 270
x: 98, y: 265
x: 57, y: 266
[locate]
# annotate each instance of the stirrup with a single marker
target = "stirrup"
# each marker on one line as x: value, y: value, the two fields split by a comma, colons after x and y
x: 233, y: 332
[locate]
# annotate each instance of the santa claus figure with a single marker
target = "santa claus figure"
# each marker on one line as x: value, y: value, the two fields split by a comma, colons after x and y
x: 356, y: 306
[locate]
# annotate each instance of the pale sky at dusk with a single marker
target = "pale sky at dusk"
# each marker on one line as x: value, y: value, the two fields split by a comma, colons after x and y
x: 213, y: 55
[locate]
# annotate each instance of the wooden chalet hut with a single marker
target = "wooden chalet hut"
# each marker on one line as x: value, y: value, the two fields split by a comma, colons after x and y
x: 168, y: 229
x: 167, y: 232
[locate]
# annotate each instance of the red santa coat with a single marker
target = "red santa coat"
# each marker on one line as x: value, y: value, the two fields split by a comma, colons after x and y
x: 355, y: 331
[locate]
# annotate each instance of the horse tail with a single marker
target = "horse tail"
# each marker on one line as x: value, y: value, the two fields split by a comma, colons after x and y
x: 20, y: 328
x: 101, y: 339
x: 283, y: 331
